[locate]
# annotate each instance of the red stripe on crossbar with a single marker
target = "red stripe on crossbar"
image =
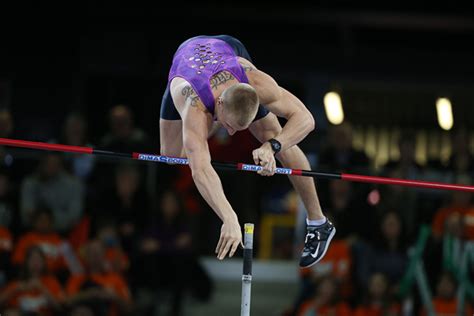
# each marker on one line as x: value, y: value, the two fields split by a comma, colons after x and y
x: 410, y: 183
x: 45, y: 146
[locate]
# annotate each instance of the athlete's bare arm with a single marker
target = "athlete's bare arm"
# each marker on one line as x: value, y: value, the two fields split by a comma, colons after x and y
x: 196, y: 126
x: 282, y: 103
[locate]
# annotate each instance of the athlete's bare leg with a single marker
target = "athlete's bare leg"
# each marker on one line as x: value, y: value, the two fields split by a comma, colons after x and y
x: 171, y: 138
x: 269, y: 127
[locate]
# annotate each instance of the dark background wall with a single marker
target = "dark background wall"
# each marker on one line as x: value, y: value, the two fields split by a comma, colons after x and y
x: 389, y: 62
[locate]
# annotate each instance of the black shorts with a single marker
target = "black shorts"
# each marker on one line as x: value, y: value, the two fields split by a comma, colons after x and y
x: 168, y: 110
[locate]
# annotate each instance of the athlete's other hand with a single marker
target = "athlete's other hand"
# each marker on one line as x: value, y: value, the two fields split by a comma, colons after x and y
x: 264, y: 156
x: 231, y: 238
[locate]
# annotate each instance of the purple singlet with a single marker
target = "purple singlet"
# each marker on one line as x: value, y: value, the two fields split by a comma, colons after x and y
x: 200, y: 58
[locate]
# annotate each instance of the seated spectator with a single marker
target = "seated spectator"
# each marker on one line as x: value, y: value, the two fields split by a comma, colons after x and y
x: 406, y: 166
x: 339, y: 154
x: 101, y: 291
x: 53, y: 187
x: 12, y: 312
x: 404, y: 200
x: 51, y: 243
x: 36, y: 292
x: 11, y: 161
x: 326, y: 301
x: 445, y: 301
x: 123, y: 135
x: 461, y: 160
x: 82, y: 310
x: 116, y: 259
x: 6, y: 123
x: 6, y: 246
x: 461, y: 204
x: 127, y: 202
x: 445, y: 253
x: 75, y: 134
x: 167, y: 246
x: 387, y: 255
x: 6, y: 238
x: 350, y: 210
x: 378, y: 301
x: 80, y: 234
x: 8, y: 216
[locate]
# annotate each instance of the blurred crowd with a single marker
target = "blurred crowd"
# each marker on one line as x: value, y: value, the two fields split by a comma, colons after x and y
x: 371, y: 267
x: 84, y: 236
x: 81, y: 235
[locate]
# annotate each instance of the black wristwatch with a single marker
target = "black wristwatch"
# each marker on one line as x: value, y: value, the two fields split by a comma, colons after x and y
x: 276, y: 145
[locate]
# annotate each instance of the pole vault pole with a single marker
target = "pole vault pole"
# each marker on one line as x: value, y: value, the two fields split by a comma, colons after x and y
x: 238, y: 166
x: 247, y: 270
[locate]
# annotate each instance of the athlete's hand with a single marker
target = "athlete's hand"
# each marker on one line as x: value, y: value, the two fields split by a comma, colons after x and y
x: 264, y: 156
x: 231, y: 238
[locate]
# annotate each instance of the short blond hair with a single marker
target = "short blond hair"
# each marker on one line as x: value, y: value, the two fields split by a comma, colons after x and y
x: 241, y: 100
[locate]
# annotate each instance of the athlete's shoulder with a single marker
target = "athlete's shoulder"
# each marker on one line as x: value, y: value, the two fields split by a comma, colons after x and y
x: 184, y: 94
x: 255, y: 77
x: 246, y: 64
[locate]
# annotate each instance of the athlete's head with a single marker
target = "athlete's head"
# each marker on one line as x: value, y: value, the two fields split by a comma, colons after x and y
x: 237, y: 107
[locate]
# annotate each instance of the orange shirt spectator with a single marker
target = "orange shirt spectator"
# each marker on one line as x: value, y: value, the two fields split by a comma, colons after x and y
x: 377, y: 310
x: 6, y: 240
x: 43, y: 236
x: 116, y: 258
x: 445, y: 302
x: 461, y: 205
x: 339, y: 309
x: 30, y: 296
x: 466, y: 213
x: 337, y: 262
x: 378, y: 301
x: 79, y: 235
x: 37, y: 291
x: 97, y: 286
x: 50, y: 244
x: 326, y: 300
x: 6, y: 244
x: 447, y: 308
x: 108, y: 280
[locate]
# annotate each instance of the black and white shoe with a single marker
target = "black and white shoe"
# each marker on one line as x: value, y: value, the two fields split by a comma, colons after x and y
x: 316, y: 243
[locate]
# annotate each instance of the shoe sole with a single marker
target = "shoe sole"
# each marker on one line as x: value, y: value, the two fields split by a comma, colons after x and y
x: 331, y: 235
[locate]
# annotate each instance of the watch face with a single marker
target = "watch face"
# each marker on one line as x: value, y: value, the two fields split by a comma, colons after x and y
x: 276, y: 146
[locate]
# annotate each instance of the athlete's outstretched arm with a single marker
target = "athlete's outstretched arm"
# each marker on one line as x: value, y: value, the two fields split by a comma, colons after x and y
x: 195, y: 132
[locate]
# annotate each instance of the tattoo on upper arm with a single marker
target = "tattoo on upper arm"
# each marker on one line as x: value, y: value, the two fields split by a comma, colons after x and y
x: 221, y: 78
x: 248, y: 68
x: 189, y: 93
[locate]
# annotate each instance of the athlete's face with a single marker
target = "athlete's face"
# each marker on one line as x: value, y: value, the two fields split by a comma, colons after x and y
x: 227, y: 119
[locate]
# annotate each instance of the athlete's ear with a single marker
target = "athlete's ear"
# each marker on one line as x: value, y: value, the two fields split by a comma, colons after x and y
x: 220, y: 101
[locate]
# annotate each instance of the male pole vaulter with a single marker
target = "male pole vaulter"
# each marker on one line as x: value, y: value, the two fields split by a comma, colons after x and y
x: 213, y: 83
